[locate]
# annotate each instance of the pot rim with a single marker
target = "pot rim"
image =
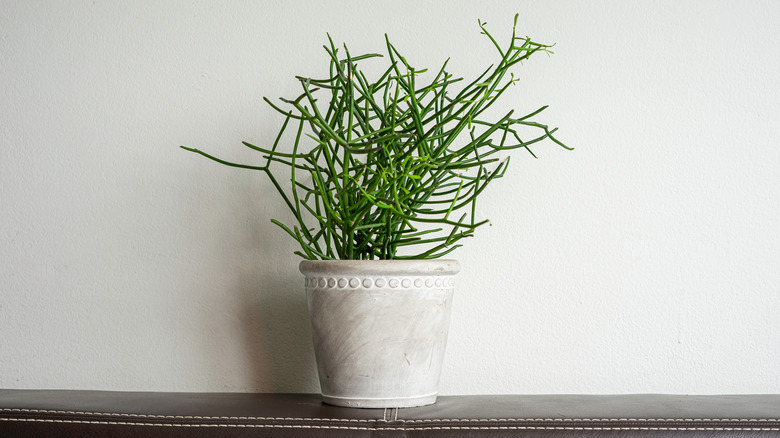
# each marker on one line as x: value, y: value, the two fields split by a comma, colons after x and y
x: 379, y: 267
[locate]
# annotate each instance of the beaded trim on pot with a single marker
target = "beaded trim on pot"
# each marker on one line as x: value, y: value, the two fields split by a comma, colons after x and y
x: 445, y: 282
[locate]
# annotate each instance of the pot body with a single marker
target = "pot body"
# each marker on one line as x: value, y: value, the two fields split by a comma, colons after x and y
x: 379, y: 329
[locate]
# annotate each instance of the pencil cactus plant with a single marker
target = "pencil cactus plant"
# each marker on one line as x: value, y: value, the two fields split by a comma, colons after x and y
x: 392, y: 167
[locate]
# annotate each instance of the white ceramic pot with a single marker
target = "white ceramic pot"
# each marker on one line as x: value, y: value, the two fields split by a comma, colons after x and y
x: 379, y: 329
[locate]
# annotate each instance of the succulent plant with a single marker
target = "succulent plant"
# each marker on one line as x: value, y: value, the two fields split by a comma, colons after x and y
x: 377, y: 165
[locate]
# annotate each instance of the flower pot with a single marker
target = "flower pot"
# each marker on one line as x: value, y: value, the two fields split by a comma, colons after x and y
x: 379, y: 329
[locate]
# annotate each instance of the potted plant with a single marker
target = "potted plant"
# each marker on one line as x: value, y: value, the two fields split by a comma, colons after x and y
x: 383, y: 180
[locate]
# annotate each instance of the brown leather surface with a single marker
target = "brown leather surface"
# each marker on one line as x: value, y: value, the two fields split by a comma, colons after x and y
x: 40, y: 413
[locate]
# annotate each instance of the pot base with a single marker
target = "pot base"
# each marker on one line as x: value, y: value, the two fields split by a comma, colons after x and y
x: 398, y: 402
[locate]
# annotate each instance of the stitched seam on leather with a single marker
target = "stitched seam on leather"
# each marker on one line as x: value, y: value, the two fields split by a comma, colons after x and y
x: 592, y: 420
x: 315, y: 426
x: 385, y: 418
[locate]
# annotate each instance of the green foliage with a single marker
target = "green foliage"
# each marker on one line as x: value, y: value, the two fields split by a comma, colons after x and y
x: 392, y: 162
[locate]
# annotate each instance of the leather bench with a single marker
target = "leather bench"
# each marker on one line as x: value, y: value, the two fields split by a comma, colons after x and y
x: 56, y: 413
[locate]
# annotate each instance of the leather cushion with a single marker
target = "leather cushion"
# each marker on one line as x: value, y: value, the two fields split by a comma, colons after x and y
x: 49, y: 413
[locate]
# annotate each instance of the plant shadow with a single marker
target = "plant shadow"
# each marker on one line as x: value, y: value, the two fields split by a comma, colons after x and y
x: 276, y: 334
x: 273, y: 314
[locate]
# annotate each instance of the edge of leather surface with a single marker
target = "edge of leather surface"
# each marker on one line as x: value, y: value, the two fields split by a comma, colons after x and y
x: 176, y: 405
x: 568, y: 407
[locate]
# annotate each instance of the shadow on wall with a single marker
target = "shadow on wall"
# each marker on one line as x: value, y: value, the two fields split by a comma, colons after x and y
x: 264, y: 326
x: 273, y: 314
x: 275, y: 325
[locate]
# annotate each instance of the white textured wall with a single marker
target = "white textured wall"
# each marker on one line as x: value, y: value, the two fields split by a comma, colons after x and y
x: 644, y: 261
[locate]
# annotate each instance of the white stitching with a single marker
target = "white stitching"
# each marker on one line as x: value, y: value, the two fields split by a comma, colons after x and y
x: 386, y: 418
x: 380, y: 428
x: 593, y: 420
